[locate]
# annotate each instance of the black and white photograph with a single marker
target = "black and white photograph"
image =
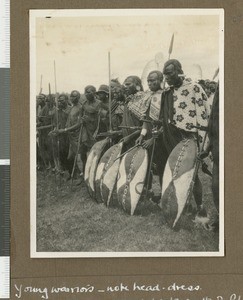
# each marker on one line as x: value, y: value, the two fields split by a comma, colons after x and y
x: 127, y: 132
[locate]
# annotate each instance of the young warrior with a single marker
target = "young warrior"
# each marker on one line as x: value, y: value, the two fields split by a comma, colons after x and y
x: 103, y: 96
x: 136, y: 102
x: 61, y: 142
x: 90, y: 113
x: 184, y: 109
x: 72, y: 128
x: 146, y: 138
x: 45, y: 124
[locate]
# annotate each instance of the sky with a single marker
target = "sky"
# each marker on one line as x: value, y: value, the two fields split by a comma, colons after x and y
x: 79, y: 43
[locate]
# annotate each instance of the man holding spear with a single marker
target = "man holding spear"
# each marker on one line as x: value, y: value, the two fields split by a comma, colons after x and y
x: 72, y: 128
x: 61, y: 145
x: 44, y: 126
x: 151, y: 138
x: 90, y: 113
x: 150, y: 129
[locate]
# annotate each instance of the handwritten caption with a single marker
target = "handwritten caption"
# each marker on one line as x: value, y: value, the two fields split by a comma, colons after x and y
x: 46, y: 293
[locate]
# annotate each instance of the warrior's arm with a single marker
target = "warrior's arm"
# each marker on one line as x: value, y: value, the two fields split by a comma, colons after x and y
x: 73, y: 127
x: 202, y: 118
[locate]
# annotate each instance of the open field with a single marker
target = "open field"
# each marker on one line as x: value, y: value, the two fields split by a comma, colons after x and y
x: 69, y: 220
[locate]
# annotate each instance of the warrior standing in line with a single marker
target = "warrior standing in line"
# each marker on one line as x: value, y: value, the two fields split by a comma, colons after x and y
x: 213, y: 133
x: 90, y: 114
x: 135, y: 104
x: 146, y: 139
x: 72, y: 128
x: 184, y: 109
x: 45, y: 122
x: 61, y: 142
x: 103, y: 96
x: 117, y: 105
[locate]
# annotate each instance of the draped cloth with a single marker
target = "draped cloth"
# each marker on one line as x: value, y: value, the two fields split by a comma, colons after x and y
x: 171, y: 134
x: 134, y: 109
x: 183, y: 110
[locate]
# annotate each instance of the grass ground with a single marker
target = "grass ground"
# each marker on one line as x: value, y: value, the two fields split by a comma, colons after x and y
x: 69, y: 220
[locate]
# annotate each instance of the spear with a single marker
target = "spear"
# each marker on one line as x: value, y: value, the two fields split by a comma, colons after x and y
x: 171, y: 45
x: 156, y: 124
x: 57, y: 119
x: 109, y: 66
x: 124, y: 153
x: 216, y: 73
x: 41, y: 85
x: 169, y: 52
x: 56, y: 94
x: 55, y: 76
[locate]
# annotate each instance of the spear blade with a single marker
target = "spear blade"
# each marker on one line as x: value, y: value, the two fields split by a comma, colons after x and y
x: 216, y: 73
x: 171, y: 45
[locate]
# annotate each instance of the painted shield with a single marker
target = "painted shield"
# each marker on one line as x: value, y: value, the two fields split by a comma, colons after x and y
x: 177, y: 180
x: 131, y: 178
x: 106, y: 175
x: 93, y: 159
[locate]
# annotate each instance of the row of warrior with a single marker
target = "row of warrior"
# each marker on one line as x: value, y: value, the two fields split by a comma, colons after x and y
x: 174, y: 108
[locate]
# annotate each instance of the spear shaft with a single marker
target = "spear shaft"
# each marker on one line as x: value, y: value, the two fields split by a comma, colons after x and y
x: 57, y: 118
x: 169, y: 52
x: 56, y: 94
x: 109, y: 66
x: 41, y: 85
x: 171, y: 45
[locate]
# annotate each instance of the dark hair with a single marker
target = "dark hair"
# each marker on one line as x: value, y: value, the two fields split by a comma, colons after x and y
x: 89, y: 87
x: 175, y: 63
x: 136, y: 80
x: 63, y: 95
x: 77, y: 92
x: 159, y: 74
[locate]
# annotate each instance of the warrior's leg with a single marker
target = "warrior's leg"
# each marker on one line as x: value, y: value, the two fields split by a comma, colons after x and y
x: 215, y: 185
x: 83, y: 150
x: 197, y: 192
x: 70, y: 161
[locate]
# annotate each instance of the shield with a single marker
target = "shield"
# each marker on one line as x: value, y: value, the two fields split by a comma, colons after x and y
x: 131, y: 178
x: 106, y: 175
x: 177, y: 178
x: 93, y: 159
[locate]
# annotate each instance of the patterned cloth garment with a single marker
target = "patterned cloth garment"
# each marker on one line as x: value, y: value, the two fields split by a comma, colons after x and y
x: 190, y: 106
x: 155, y: 104
x: 139, y: 103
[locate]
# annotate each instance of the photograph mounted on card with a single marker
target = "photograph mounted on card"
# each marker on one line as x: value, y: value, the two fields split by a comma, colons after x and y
x: 127, y: 133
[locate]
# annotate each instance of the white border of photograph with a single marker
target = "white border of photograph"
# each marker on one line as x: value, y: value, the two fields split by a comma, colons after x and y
x: 33, y: 88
